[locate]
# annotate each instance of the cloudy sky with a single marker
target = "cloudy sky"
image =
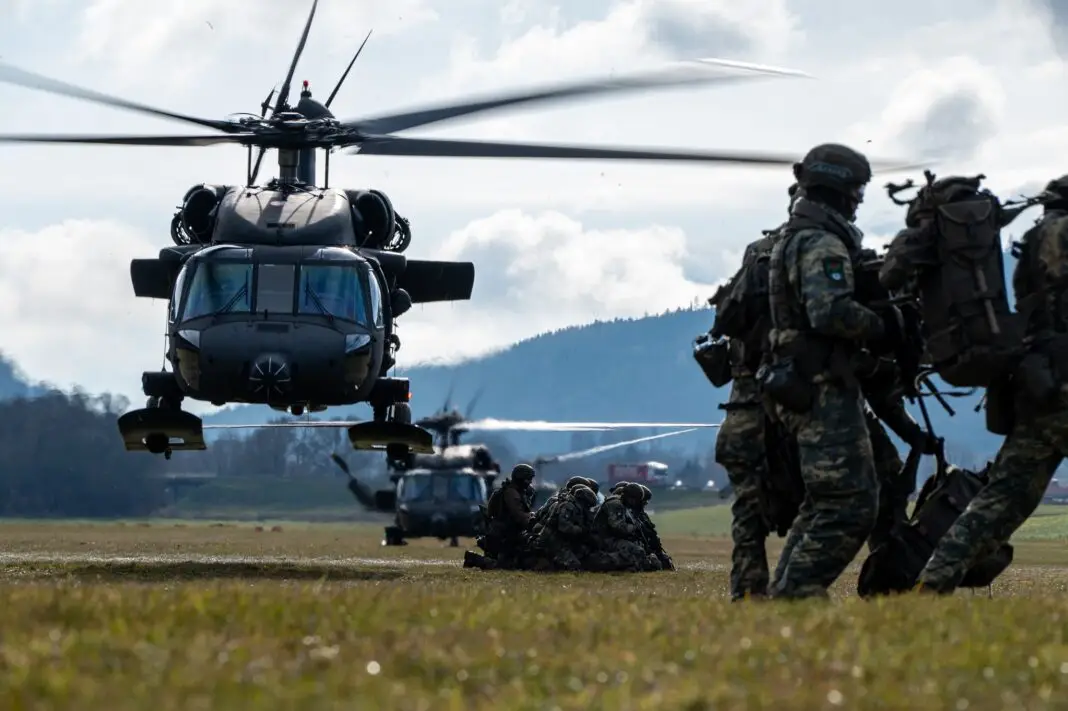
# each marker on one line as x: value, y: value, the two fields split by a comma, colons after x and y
x: 977, y: 82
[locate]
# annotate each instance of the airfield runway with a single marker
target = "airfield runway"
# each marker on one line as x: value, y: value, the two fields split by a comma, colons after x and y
x: 178, y: 615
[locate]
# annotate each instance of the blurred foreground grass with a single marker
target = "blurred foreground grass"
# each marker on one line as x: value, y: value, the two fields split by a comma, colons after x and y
x: 169, y: 615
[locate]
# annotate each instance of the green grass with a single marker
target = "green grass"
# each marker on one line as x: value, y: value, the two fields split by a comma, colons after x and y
x: 308, y: 616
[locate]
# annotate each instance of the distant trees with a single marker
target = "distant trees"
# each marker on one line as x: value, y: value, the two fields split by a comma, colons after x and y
x: 61, y: 455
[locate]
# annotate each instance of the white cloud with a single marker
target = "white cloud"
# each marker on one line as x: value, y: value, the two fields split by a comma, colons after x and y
x: 183, y: 41
x: 68, y: 307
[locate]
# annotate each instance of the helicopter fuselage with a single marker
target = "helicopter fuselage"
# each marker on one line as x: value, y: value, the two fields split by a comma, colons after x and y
x: 286, y: 296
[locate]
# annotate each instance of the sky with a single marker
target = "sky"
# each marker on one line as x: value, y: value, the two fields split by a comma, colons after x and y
x: 975, y: 84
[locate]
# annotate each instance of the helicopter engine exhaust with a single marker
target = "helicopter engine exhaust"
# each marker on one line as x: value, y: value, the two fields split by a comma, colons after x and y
x: 374, y: 210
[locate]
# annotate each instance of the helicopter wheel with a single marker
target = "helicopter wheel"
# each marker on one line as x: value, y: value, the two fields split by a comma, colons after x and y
x: 402, y: 413
x: 454, y: 542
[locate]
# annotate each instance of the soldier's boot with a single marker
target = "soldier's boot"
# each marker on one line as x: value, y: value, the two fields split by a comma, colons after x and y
x: 474, y: 560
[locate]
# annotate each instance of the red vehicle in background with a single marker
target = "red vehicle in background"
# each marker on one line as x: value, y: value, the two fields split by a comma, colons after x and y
x: 651, y: 474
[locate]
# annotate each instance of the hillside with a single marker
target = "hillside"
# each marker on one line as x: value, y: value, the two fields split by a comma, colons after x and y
x: 12, y: 383
x: 628, y: 369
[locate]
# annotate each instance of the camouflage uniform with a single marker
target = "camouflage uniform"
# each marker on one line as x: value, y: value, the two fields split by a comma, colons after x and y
x: 740, y: 449
x: 617, y: 534
x: 1038, y: 441
x: 543, y: 512
x: 652, y: 538
x: 817, y: 323
x: 509, y: 513
x: 563, y: 540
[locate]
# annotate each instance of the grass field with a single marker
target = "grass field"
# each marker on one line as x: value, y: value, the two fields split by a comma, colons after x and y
x: 181, y: 615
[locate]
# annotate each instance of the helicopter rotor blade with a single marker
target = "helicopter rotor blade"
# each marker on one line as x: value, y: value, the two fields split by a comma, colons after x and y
x: 131, y: 140
x: 256, y: 167
x: 345, y: 74
x: 649, y: 80
x: 283, y: 93
x: 471, y: 405
x: 582, y: 453
x: 448, y: 148
x: 10, y: 74
x: 341, y: 463
x: 490, y: 424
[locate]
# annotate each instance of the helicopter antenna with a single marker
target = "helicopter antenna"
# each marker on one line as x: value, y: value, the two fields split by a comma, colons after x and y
x: 345, y: 75
x: 287, y: 158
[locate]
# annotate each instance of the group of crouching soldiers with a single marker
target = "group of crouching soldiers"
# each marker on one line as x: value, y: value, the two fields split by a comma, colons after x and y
x: 571, y: 531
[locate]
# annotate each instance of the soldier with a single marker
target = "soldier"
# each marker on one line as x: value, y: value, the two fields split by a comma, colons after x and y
x: 740, y: 446
x: 1037, y: 442
x: 655, y: 545
x: 617, y: 534
x: 817, y: 326
x: 508, y: 510
x: 563, y: 540
x: 545, y: 509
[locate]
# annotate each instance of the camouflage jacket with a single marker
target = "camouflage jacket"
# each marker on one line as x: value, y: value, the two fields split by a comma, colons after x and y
x: 812, y: 283
x: 1041, y: 274
x: 614, y: 520
x: 508, y: 508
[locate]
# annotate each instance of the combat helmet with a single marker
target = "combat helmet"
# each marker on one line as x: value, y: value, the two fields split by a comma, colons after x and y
x: 617, y: 488
x: 594, y: 486
x: 573, y: 482
x: 1056, y: 192
x: 647, y: 493
x: 632, y: 492
x: 834, y: 167
x: 584, y: 495
x: 522, y: 473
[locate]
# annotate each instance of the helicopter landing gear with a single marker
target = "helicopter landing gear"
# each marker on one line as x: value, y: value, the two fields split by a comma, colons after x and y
x: 454, y: 542
x: 161, y: 427
x: 394, y: 537
x: 392, y: 427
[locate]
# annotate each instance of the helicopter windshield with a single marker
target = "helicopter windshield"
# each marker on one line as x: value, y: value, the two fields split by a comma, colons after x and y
x: 338, y: 290
x: 219, y: 287
x: 441, y: 487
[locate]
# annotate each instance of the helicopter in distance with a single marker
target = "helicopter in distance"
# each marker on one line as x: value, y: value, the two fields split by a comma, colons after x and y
x: 286, y: 294
x: 441, y: 495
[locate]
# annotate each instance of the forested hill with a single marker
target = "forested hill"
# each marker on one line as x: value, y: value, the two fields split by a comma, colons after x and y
x: 13, y: 384
x: 629, y: 369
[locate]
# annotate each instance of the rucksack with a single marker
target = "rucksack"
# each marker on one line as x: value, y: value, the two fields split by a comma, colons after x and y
x: 896, y: 565
x: 971, y: 333
x: 743, y: 311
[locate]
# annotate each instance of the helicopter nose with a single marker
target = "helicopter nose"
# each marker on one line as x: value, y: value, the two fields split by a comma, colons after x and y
x: 270, y: 375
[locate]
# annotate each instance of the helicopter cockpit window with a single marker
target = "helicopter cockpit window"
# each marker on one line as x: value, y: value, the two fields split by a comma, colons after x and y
x: 441, y: 487
x: 176, y: 300
x: 274, y: 288
x: 219, y: 287
x: 376, y: 298
x: 335, y: 290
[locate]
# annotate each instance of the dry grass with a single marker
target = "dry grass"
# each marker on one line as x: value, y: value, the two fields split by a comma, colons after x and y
x: 187, y: 616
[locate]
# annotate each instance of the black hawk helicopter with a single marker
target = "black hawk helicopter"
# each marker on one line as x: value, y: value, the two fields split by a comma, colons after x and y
x: 441, y: 495
x: 286, y: 294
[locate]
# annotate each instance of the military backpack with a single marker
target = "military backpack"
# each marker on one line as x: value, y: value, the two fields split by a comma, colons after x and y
x: 743, y: 310
x: 895, y: 566
x: 971, y: 333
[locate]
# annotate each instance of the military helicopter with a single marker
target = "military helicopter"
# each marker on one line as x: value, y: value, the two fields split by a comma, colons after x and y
x: 439, y: 495
x: 286, y: 294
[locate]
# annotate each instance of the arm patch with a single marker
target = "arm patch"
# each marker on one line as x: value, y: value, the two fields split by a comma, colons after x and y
x: 834, y: 268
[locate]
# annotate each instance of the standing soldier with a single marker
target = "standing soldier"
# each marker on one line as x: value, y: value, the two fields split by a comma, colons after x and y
x: 817, y: 328
x: 1037, y: 442
x: 744, y: 312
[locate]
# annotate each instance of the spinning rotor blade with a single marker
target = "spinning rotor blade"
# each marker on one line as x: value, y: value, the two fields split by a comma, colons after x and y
x: 305, y: 423
x: 10, y: 74
x: 132, y: 140
x: 546, y: 426
x: 607, y: 447
x: 283, y: 93
x: 345, y: 74
x: 448, y: 148
x: 650, y: 80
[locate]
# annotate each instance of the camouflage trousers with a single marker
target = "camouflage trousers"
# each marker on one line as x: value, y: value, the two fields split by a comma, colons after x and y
x: 841, y: 492
x: 1018, y: 480
x: 620, y: 554
x: 893, y: 503
x: 558, y: 552
x: 740, y: 450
